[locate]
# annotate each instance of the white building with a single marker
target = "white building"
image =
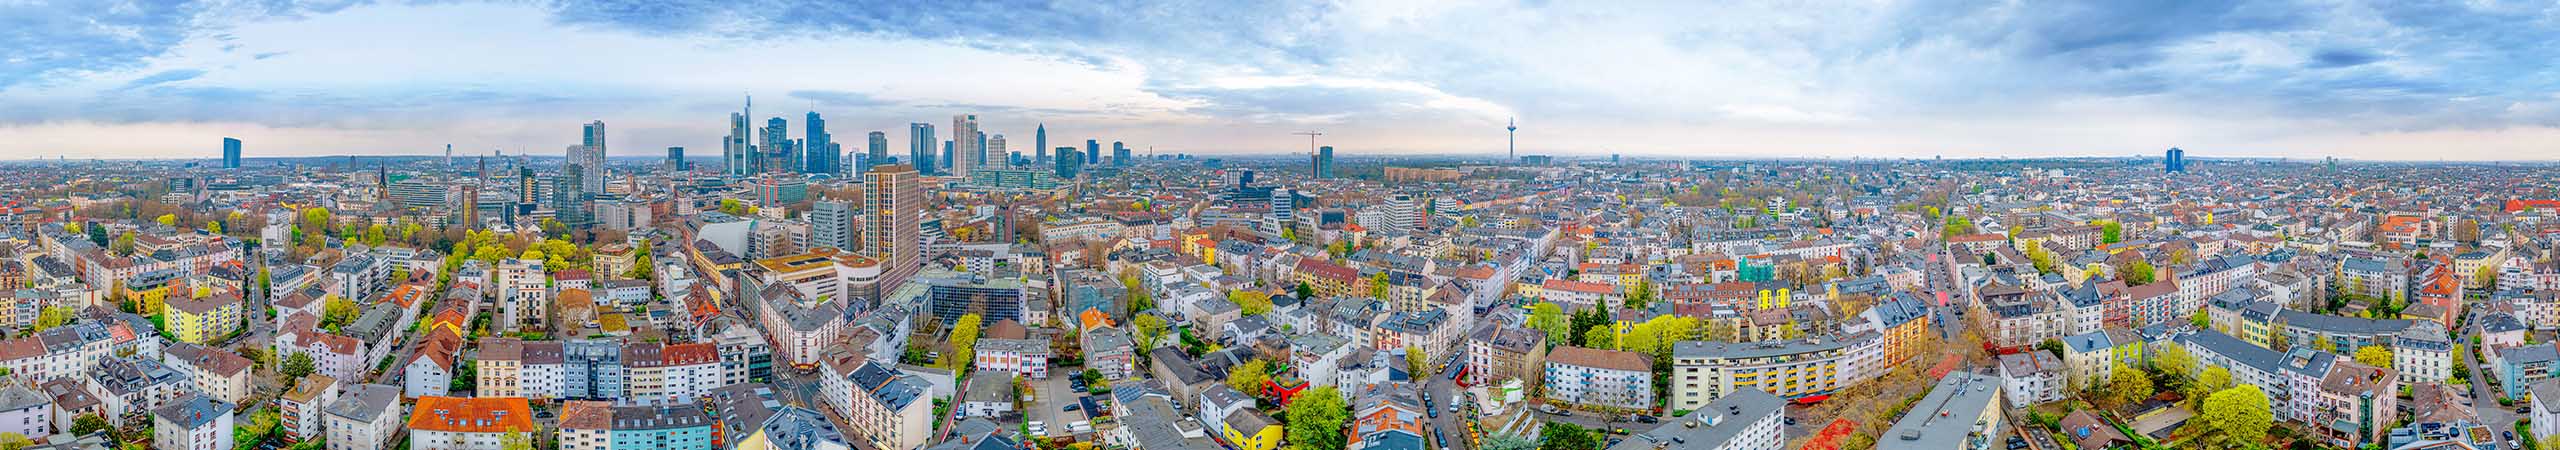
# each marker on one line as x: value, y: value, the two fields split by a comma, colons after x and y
x: 364, y: 418
x: 196, y: 422
x: 524, y: 293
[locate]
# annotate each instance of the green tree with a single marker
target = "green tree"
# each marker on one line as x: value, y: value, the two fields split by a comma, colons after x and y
x: 1315, y: 419
x: 167, y: 219
x: 88, y: 423
x: 2174, y: 360
x: 964, y: 342
x: 1416, y: 363
x: 1150, y: 331
x: 1305, y: 292
x: 1546, y: 316
x: 1600, y: 338
x: 123, y: 245
x: 1251, y: 302
x: 1378, y: 285
x: 2110, y: 231
x: 2137, y: 273
x: 2126, y: 386
x: 2214, y: 379
x: 1567, y: 436
x: 15, y: 441
x: 1248, y: 377
x: 2237, y: 417
x: 53, y: 316
x: 515, y: 440
x: 2374, y: 355
x: 1499, y: 441
x: 298, y: 365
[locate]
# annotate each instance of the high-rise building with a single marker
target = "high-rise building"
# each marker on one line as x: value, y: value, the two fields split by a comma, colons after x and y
x: 1402, y: 212
x: 1511, y: 138
x: 891, y: 200
x: 831, y: 225
x: 1069, y: 161
x: 230, y: 153
x: 1324, y: 162
x: 995, y: 148
x: 675, y: 159
x: 1040, y: 145
x: 920, y: 146
x: 738, y: 159
x: 878, y: 152
x: 779, y: 153
x: 972, y: 145
x: 1092, y: 151
x: 947, y: 158
x: 1119, y: 154
x: 589, y: 156
x: 823, y: 156
x: 570, y: 198
x: 2177, y: 160
x: 527, y: 190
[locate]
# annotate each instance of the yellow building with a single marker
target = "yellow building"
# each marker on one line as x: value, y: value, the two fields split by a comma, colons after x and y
x: 1249, y: 430
x: 203, y: 319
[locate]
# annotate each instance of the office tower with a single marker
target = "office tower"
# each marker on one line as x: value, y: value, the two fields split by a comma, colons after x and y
x: 1040, y: 144
x: 1119, y: 154
x: 920, y: 146
x: 892, y: 198
x: 947, y: 158
x: 448, y: 156
x: 972, y: 146
x: 1069, y: 160
x: 591, y: 158
x: 1324, y: 162
x: 675, y: 159
x: 738, y: 159
x: 1283, y: 210
x: 230, y: 153
x: 1402, y: 212
x: 995, y: 147
x: 823, y: 156
x: 831, y: 225
x: 778, y: 152
x: 2177, y: 160
x: 527, y: 192
x: 570, y: 197
x: 465, y: 203
x: 879, y: 151
x: 1092, y: 151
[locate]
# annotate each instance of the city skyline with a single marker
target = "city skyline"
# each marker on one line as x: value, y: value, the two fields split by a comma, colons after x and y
x: 2252, y: 79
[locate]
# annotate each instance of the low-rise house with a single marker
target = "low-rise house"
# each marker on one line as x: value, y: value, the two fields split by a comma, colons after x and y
x: 468, y: 423
x: 1747, y: 420
x: 365, y: 418
x: 2032, y: 378
x: 219, y: 373
x: 25, y: 412
x: 1026, y: 357
x: 299, y: 410
x: 195, y: 422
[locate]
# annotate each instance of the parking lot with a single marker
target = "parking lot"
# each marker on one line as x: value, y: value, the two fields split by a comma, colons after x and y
x: 1051, y: 397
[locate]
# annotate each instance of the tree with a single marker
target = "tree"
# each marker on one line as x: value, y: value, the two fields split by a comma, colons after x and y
x: 337, y: 311
x: 1416, y: 363
x: 1150, y: 331
x: 1250, y: 376
x: 1305, y: 292
x: 2052, y: 345
x: 14, y: 441
x: 2126, y: 386
x: 53, y: 316
x: 2110, y: 231
x: 1140, y: 299
x: 2137, y: 273
x: 168, y: 219
x: 2174, y: 360
x: 88, y: 423
x: 515, y: 440
x: 2237, y: 417
x: 2374, y: 355
x: 123, y: 245
x: 2202, y: 320
x: 1600, y: 338
x: 1378, y: 285
x: 1251, y: 302
x: 1567, y: 436
x: 1315, y: 419
x: 298, y: 365
x: 964, y: 342
x: 2215, y: 379
x: 1546, y: 316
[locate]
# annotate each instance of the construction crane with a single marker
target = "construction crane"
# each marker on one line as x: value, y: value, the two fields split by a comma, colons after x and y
x: 1313, y: 159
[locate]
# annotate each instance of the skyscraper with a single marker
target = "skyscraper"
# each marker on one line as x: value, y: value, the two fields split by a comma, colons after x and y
x: 995, y: 149
x: 1040, y: 144
x: 972, y: 146
x: 778, y: 154
x: 230, y: 153
x: 675, y: 159
x: 920, y: 147
x: 2177, y: 160
x: 947, y: 158
x: 1324, y: 162
x: 1069, y: 161
x: 823, y: 156
x: 1119, y: 154
x: 1092, y: 151
x: 589, y: 157
x: 737, y: 157
x: 892, y: 199
x: 879, y: 152
x: 570, y: 198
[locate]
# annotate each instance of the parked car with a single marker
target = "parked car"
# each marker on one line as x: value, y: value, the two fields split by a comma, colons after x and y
x: 1647, y: 419
x: 1071, y: 407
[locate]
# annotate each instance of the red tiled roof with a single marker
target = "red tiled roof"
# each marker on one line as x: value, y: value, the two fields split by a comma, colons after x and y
x: 472, y: 415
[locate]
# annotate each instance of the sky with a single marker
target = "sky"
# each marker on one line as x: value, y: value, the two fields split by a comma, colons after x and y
x: 2409, y: 80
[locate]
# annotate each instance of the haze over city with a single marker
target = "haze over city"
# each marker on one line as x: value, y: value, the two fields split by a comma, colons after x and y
x: 2360, y: 80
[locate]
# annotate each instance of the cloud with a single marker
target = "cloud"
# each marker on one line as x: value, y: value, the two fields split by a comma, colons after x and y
x: 168, y: 76
x: 840, y: 99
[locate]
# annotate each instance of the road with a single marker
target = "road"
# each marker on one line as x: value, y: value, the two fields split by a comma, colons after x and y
x: 2484, y: 400
x: 1451, y: 426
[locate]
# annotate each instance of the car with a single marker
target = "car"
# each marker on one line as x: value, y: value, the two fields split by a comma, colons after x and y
x: 1435, y: 414
x: 1436, y: 438
x: 1453, y: 407
x: 1549, y: 409
x: 1647, y: 419
x: 1072, y: 407
x: 1791, y: 421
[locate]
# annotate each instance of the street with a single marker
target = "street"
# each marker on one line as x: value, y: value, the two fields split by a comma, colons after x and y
x: 2484, y: 400
x: 1452, y: 426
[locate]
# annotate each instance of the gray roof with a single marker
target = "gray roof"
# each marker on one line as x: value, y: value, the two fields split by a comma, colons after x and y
x: 1733, y: 350
x: 193, y: 411
x: 796, y: 428
x: 1944, y: 418
x: 1711, y: 426
x: 19, y: 397
x: 2341, y: 325
x: 2242, y: 352
x: 365, y: 402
